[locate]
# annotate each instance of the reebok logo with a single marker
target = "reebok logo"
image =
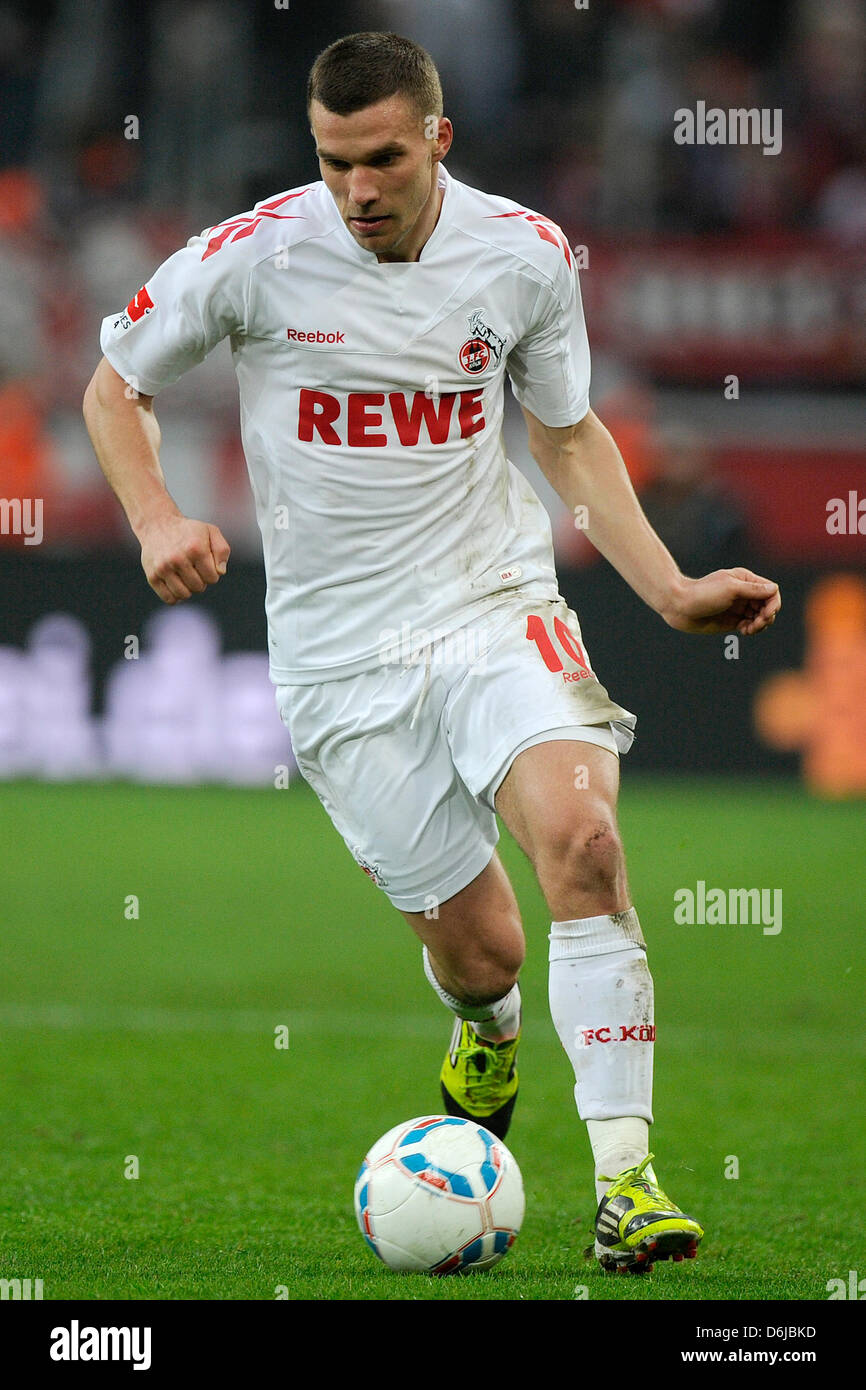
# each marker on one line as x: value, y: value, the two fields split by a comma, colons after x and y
x: 314, y: 336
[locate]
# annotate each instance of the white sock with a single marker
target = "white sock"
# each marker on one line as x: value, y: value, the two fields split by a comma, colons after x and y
x: 601, y: 1000
x: 496, y: 1022
x: 616, y: 1145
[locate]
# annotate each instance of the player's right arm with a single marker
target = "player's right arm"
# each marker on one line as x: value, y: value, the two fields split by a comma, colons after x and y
x: 179, y: 556
x: 190, y: 303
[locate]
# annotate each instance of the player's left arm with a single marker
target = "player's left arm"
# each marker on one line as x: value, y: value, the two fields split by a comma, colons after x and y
x: 584, y: 466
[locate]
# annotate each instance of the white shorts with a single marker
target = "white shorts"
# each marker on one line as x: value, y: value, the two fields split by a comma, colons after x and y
x: 407, y: 758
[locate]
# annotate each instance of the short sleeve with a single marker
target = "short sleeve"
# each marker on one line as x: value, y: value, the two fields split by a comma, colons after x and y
x: 188, y: 305
x: 550, y: 367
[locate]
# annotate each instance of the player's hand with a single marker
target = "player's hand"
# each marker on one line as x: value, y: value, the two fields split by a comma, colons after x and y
x: 725, y: 601
x: 181, y: 557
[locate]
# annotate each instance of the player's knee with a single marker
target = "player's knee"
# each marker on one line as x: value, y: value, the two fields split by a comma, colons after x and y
x: 587, y: 855
x: 597, y: 856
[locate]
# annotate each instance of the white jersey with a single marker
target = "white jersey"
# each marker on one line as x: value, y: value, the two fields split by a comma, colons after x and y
x: 371, y: 409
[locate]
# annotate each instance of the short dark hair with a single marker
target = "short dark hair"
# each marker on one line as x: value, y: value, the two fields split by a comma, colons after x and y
x: 364, y: 68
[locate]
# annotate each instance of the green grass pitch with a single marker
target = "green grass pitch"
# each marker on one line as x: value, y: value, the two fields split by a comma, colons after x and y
x: 154, y: 1037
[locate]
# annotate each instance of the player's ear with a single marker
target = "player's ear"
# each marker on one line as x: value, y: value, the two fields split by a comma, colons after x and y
x: 444, y: 138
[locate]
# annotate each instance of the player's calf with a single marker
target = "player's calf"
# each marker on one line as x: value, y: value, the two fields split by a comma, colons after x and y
x: 476, y: 981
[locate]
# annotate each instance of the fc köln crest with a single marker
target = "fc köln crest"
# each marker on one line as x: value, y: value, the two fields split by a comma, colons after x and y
x: 474, y: 355
x: 485, y: 343
x: 371, y: 870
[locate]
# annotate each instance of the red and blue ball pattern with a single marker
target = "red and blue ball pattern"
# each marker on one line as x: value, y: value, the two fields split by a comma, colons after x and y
x: 440, y: 1195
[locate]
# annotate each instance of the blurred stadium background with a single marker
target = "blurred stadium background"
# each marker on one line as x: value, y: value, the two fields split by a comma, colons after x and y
x: 724, y: 288
x: 154, y: 937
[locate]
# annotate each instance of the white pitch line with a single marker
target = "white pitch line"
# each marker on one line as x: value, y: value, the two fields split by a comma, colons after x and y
x: 70, y: 1018
x: 120, y: 1018
x: 328, y: 1023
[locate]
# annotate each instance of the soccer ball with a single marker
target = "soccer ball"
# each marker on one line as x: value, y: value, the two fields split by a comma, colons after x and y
x: 439, y: 1195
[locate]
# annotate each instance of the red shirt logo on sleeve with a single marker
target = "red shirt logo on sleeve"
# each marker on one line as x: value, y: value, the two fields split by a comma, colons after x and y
x: 140, y: 305
x: 238, y: 227
x: 544, y: 228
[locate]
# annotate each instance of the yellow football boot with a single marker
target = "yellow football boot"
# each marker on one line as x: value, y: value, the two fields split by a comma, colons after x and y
x: 637, y: 1224
x: 479, y: 1078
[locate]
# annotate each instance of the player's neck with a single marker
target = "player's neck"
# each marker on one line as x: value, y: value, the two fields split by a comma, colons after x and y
x: 421, y: 232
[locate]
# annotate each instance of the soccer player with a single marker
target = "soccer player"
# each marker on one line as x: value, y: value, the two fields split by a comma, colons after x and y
x: 426, y: 665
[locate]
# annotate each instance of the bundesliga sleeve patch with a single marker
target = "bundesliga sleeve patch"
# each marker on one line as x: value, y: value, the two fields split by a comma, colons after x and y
x: 140, y: 305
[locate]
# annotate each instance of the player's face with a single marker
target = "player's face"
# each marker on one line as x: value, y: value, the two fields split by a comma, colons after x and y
x: 379, y: 165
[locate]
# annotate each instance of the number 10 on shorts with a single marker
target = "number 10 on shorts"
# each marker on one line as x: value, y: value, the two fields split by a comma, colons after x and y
x: 536, y: 632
